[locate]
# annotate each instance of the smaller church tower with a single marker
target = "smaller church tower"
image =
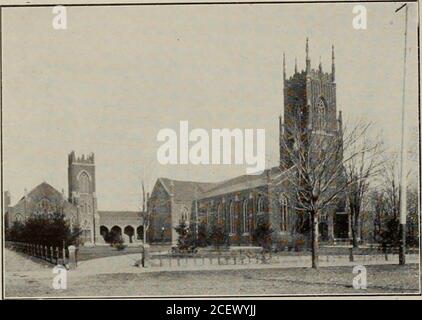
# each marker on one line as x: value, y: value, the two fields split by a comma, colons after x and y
x: 81, y: 178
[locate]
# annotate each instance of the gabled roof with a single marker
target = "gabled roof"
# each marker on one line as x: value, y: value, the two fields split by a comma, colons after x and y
x: 189, y: 190
x: 243, y: 182
x: 185, y: 190
x: 42, y: 190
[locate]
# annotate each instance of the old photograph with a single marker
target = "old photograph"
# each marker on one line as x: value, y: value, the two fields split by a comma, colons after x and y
x: 210, y: 150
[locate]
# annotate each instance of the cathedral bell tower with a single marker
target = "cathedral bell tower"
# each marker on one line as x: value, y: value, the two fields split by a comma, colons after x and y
x: 310, y: 106
x: 312, y: 93
x: 81, y: 178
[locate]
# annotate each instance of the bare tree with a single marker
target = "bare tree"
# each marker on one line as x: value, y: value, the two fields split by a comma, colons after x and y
x: 146, y: 213
x: 314, y: 161
x: 386, y: 202
x: 359, y: 170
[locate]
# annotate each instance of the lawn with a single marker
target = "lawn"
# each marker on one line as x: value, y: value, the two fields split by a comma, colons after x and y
x: 387, y: 279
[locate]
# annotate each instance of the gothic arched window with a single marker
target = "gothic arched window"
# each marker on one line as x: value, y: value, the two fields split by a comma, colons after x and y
x: 44, y: 206
x: 284, y: 212
x: 185, y: 214
x: 84, y: 183
x: 232, y: 219
x: 321, y: 116
x: 18, y: 218
x: 246, y: 219
x: 220, y: 212
x: 261, y: 205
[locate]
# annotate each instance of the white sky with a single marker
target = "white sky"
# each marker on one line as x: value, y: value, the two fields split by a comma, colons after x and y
x: 117, y: 75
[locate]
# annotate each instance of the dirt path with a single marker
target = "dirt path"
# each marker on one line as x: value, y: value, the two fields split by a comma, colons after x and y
x: 22, y: 271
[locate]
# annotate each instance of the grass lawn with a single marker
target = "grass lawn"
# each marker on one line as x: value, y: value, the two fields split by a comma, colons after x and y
x: 386, y: 279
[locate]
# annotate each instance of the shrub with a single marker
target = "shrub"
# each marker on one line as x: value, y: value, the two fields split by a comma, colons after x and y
x: 44, y: 229
x: 282, y: 245
x: 298, y: 242
x: 202, y: 239
x: 262, y: 235
x: 119, y: 244
x: 183, y: 240
x: 217, y: 235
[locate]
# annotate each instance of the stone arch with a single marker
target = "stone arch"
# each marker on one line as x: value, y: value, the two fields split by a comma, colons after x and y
x: 115, y: 233
x: 129, y: 233
x: 104, y: 233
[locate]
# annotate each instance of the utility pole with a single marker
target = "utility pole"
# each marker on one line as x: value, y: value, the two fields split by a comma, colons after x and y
x: 196, y: 212
x: 403, y: 153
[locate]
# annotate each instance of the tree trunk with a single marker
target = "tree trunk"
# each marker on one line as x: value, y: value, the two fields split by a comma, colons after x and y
x: 355, y: 231
x: 315, y: 245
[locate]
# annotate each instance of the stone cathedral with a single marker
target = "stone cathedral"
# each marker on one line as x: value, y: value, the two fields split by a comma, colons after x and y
x: 242, y: 202
x: 239, y: 204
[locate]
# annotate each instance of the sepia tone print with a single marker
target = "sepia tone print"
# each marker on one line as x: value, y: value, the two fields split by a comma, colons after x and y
x: 210, y: 150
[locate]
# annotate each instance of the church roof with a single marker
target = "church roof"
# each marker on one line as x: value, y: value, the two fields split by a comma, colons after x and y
x: 43, y: 190
x: 185, y: 190
x: 242, y: 182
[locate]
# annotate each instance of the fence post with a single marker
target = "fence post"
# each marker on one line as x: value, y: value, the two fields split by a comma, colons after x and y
x: 145, y: 256
x: 64, y: 255
x: 72, y: 257
x: 51, y: 254
x: 351, y: 254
